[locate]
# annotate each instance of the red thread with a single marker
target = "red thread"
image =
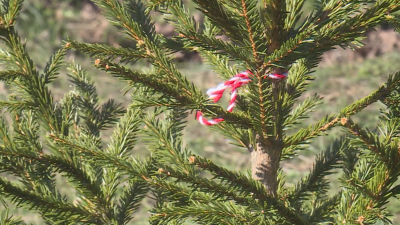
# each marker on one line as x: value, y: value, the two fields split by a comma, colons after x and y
x: 234, y: 83
x: 202, y: 120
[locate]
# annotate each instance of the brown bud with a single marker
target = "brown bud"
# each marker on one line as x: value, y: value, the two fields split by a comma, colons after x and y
x: 360, y: 220
x: 192, y: 159
x: 344, y: 120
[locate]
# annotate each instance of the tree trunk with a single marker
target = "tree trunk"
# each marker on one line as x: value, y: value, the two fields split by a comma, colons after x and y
x: 265, y: 165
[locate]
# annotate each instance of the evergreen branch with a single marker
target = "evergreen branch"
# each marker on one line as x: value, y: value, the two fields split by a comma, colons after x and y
x: 26, y: 140
x: 360, y: 186
x: 140, y: 15
x: 145, y: 97
x: 300, y: 137
x: 371, y: 181
x: 176, y: 120
x: 294, y: 11
x: 369, y: 139
x: 324, y: 211
x: 7, y: 141
x: 168, y: 142
x: 343, y: 32
x: 176, y: 191
x: 279, y: 96
x: 158, y: 58
x: 214, y: 44
x: 223, y: 18
x: 14, y: 106
x: 108, y: 114
x: 134, y: 192
x: 110, y: 164
x: 189, y: 34
x: 161, y: 61
x: 263, y: 103
x: 371, y: 201
x: 236, y: 135
x: 10, y: 75
x: 86, y: 96
x: 164, y: 86
x: 331, y: 121
x: 250, y: 30
x: 19, y: 54
x: 234, y: 179
x: 161, y: 199
x: 126, y: 54
x: 119, y: 16
x: 110, y: 179
x: 393, y: 20
x: 5, y: 219
x: 296, y: 86
x: 385, y: 150
x: 157, y: 4
x: 53, y: 66
x: 352, y: 206
x: 168, y: 88
x: 302, y: 111
x: 34, y: 85
x: 95, y: 119
x: 75, y: 170
x: 6, y: 137
x: 84, y: 85
x: 375, y: 175
x: 299, y: 75
x: 26, y: 129
x: 183, y: 172
x: 351, y: 28
x: 223, y: 213
x: 390, y: 129
x: 208, y: 186
x: 9, y: 12
x: 350, y: 157
x: 296, y: 47
x: 138, y: 29
x: 104, y: 159
x: 243, y: 182
x: 274, y: 23
x: 55, y: 204
x: 123, y: 138
x: 6, y: 58
x: 183, y: 195
x: 316, y: 181
x: 220, y: 64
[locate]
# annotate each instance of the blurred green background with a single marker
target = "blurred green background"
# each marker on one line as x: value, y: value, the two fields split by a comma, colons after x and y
x: 342, y: 77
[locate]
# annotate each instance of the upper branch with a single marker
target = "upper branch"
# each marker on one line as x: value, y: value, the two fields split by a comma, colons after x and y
x: 333, y: 120
x: 250, y: 30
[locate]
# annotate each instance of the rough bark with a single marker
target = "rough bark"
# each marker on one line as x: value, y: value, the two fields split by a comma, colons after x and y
x: 265, y: 165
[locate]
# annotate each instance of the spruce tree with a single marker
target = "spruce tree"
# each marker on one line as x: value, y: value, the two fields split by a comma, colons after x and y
x: 277, y: 46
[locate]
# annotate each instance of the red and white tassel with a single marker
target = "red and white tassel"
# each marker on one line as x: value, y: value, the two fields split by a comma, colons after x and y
x: 234, y: 83
x: 204, y: 121
x: 278, y: 76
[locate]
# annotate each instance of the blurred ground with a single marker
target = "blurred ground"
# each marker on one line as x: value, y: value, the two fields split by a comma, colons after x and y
x: 344, y: 76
